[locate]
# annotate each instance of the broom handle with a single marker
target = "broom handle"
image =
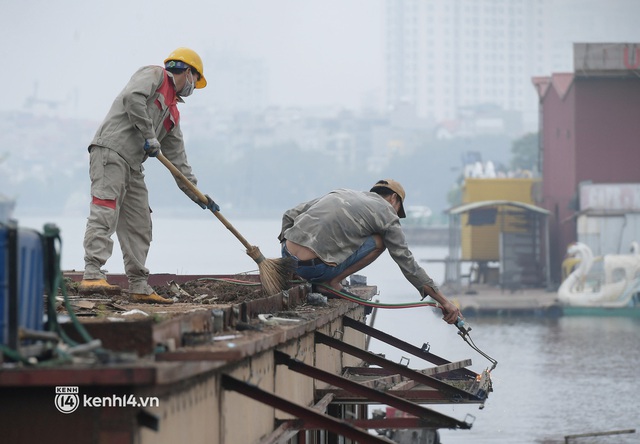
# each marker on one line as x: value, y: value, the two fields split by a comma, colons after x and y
x: 202, y: 198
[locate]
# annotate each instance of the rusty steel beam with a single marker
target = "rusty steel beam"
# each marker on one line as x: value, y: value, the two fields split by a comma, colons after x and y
x: 394, y: 423
x: 402, y: 345
x: 368, y: 371
x: 455, y: 394
x: 425, y: 396
x: 434, y: 419
x: 309, y: 417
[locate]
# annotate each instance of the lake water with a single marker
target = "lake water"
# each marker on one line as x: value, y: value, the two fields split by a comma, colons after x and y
x: 555, y: 377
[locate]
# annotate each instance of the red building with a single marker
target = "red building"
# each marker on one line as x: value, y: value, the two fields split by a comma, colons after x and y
x: 589, y: 131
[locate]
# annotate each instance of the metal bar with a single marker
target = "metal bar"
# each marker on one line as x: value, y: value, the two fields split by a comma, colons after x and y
x: 402, y: 345
x: 454, y: 392
x: 309, y: 417
x: 13, y: 256
x: 291, y: 427
x: 588, y: 435
x: 435, y: 419
x: 371, y: 324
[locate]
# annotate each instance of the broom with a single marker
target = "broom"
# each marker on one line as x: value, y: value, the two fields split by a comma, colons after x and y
x: 274, y: 273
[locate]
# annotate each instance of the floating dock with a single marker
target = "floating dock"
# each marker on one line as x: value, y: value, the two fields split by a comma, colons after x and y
x: 490, y: 300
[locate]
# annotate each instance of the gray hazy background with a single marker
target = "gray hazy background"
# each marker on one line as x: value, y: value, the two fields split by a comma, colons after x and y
x: 304, y: 95
x: 81, y: 53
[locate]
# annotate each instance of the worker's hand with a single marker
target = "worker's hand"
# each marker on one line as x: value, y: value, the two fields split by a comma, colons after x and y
x: 152, y: 147
x: 451, y: 313
x: 210, y: 205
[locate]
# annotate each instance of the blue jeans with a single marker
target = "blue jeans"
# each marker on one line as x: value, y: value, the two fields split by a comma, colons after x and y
x: 322, y: 272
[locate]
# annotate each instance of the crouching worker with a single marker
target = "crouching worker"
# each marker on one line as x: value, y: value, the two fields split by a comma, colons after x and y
x: 143, y: 119
x: 340, y: 233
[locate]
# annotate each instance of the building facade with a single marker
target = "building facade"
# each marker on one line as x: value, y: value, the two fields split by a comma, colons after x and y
x: 589, y: 133
x: 471, y: 61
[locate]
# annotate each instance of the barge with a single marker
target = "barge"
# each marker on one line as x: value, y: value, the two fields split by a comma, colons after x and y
x: 253, y: 368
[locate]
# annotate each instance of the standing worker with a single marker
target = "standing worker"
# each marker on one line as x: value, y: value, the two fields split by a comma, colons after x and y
x: 143, y: 119
x: 340, y: 233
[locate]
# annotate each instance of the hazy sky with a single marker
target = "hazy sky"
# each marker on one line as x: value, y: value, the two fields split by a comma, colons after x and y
x: 82, y: 52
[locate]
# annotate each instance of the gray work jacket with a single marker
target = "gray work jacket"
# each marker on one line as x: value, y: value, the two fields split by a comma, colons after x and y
x: 334, y: 226
x: 146, y: 108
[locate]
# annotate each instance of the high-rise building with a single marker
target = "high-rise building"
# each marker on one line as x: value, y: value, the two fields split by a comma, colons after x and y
x: 472, y: 60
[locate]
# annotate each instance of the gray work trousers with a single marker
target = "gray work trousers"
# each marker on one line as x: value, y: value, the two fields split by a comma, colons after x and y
x: 120, y: 204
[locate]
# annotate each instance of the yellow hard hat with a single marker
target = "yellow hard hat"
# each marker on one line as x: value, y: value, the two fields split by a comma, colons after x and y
x: 191, y: 58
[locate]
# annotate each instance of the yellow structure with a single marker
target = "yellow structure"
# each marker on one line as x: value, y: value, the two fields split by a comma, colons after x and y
x: 480, y: 229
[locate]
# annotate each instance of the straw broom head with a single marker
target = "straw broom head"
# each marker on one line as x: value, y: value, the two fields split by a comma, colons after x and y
x: 274, y: 273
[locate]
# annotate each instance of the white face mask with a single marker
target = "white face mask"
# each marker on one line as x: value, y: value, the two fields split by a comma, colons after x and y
x: 188, y: 87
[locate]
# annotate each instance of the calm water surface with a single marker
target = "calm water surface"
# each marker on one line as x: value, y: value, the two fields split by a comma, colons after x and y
x: 554, y: 377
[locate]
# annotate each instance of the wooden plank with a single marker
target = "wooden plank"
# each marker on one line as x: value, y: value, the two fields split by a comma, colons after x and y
x: 446, y: 367
x: 409, y: 384
x: 405, y: 385
x: 382, y: 383
x: 290, y: 428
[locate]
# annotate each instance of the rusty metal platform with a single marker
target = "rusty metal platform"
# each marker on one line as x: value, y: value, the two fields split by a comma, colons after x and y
x: 302, y: 376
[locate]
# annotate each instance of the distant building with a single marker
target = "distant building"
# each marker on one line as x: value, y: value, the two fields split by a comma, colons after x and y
x: 498, y: 222
x: 589, y: 132
x: 467, y: 64
x: 609, y: 217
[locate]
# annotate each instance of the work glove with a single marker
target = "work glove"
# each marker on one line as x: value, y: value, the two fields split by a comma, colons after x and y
x: 152, y: 147
x: 210, y: 205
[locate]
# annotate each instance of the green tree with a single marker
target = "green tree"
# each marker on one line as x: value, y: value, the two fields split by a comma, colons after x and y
x: 524, y: 153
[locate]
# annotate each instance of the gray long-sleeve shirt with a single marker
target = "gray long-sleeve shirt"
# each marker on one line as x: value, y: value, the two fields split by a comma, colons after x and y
x: 334, y: 226
x: 144, y: 109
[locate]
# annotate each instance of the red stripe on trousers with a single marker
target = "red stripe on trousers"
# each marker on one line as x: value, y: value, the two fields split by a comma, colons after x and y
x: 109, y: 203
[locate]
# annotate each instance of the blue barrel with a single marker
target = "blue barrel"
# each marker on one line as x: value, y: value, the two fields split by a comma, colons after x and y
x: 21, y: 282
